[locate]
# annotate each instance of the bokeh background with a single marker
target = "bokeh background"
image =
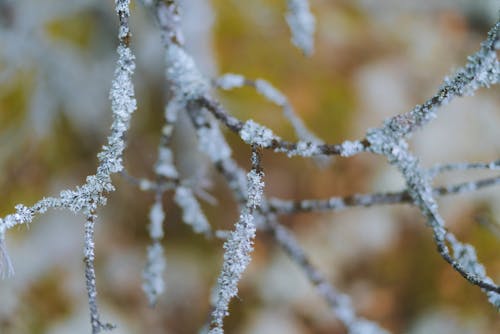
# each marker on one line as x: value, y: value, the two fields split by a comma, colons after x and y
x: 373, y: 59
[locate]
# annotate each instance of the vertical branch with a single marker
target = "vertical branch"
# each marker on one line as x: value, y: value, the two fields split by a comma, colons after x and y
x: 339, y: 303
x: 6, y: 268
x: 238, y: 247
x: 90, y: 277
x: 153, y: 282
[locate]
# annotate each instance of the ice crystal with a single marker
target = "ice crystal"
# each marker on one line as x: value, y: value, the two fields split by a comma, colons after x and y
x: 154, y: 284
x: 255, y: 188
x: 270, y: 92
x: 165, y: 166
x: 237, y: 248
x: 350, y: 148
x: 254, y: 133
x: 302, y: 25
x: 494, y: 299
x: 6, y: 268
x: 229, y: 81
x: 191, y: 211
x: 237, y: 251
x: 212, y: 143
x: 304, y: 149
x: 182, y: 72
x: 156, y: 217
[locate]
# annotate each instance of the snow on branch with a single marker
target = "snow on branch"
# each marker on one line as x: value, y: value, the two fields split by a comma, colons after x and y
x: 302, y: 25
x: 230, y: 81
x: 481, y: 70
x: 281, y: 207
x: 191, y: 95
x: 87, y: 197
x: 153, y: 282
x: 90, y: 277
x: 339, y: 303
x: 238, y: 247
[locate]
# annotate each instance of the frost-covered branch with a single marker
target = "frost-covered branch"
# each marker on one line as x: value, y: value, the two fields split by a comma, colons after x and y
x: 154, y: 284
x: 90, y: 277
x: 92, y: 194
x: 238, y: 247
x: 385, y: 141
x: 481, y: 70
x: 337, y: 203
x: 338, y: 302
x: 254, y: 133
x: 269, y: 92
x: 192, y: 95
x: 302, y: 25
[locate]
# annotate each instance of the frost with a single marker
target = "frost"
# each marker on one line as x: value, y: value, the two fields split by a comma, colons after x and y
x: 154, y: 284
x: 494, y: 299
x: 270, y: 92
x: 255, y: 188
x: 187, y: 81
x: 236, y: 259
x: 6, y: 268
x: 237, y: 248
x: 191, y: 211
x: 229, y: 81
x: 122, y: 6
x: 156, y: 217
x: 172, y: 109
x: 345, y: 312
x: 122, y: 90
x: 302, y: 25
x: 254, y: 133
x: 165, y: 166
x: 365, y: 327
x: 350, y: 148
x: 212, y: 143
x: 466, y: 256
x: 304, y: 149
x: 216, y: 331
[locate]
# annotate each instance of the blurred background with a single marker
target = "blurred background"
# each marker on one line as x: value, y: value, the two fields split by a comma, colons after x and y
x: 373, y: 59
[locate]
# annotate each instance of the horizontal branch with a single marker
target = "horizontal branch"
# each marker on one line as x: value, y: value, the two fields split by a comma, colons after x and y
x: 255, y: 134
x: 282, y: 207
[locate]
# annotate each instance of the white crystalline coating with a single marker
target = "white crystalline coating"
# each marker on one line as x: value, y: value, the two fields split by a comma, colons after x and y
x: 153, y: 282
x: 187, y: 81
x: 362, y: 326
x: 6, y: 268
x: 146, y: 185
x: 122, y: 98
x: 237, y: 248
x: 156, y: 217
x: 216, y: 331
x: 191, y: 211
x: 254, y: 133
x: 172, y: 109
x: 238, y: 182
x: 270, y: 92
x: 350, y: 148
x: 165, y: 166
x: 230, y: 80
x: 466, y: 256
x: 302, y: 25
x: 304, y: 149
x: 236, y: 259
x: 494, y: 299
x: 255, y: 188
x: 212, y: 143
x: 124, y: 31
x: 122, y: 6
